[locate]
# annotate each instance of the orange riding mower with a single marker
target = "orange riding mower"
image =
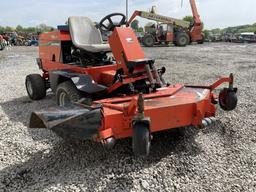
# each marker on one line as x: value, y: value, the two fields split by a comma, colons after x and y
x: 109, y: 91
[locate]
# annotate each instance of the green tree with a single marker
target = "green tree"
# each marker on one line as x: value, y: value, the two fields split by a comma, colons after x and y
x: 44, y: 28
x: 189, y: 19
x: 206, y: 33
x: 135, y: 25
x: 2, y: 29
x: 8, y: 29
x: 140, y: 29
x: 19, y: 28
x: 30, y: 30
x: 216, y: 31
x: 248, y: 29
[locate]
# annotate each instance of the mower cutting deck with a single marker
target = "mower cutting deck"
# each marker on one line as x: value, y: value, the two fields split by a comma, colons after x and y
x: 106, y: 98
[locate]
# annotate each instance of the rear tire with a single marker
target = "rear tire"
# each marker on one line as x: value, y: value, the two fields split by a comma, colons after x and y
x: 182, y: 39
x: 67, y: 93
x: 202, y: 40
x: 141, y: 139
x: 35, y: 86
x: 148, y: 40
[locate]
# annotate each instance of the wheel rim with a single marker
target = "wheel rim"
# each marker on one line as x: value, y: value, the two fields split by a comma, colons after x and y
x: 29, y: 87
x: 149, y: 41
x: 183, y: 40
x: 63, y: 99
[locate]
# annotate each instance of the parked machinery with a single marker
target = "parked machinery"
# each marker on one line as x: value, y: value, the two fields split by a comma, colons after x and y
x: 3, y: 43
x: 178, y: 31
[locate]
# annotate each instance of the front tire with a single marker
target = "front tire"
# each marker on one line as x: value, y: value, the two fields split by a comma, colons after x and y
x: 35, y: 86
x: 182, y: 39
x: 227, y: 99
x: 67, y: 93
x: 141, y: 139
x: 148, y: 40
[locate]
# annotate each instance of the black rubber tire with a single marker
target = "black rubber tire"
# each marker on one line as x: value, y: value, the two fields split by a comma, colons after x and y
x: 2, y: 47
x: 182, y: 39
x: 202, y: 40
x: 148, y: 40
x: 227, y: 100
x: 35, y: 86
x: 68, y: 90
x: 141, y: 139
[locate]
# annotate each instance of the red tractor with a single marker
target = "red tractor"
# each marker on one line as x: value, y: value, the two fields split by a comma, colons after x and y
x: 105, y: 97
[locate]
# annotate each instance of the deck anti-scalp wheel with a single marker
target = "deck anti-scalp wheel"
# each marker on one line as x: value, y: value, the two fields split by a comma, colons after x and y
x: 141, y: 139
x: 227, y: 99
x: 35, y: 86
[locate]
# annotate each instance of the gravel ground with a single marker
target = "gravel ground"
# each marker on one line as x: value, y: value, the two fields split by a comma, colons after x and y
x: 219, y: 158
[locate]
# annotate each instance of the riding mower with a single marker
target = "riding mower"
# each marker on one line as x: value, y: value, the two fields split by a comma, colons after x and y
x: 107, y: 92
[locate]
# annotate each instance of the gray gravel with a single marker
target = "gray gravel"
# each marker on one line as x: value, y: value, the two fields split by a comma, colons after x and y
x: 218, y: 158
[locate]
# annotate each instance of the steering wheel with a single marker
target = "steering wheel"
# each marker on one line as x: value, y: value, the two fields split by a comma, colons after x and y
x: 111, y: 24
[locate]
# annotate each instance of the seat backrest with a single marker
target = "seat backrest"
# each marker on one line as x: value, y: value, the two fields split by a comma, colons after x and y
x: 83, y: 31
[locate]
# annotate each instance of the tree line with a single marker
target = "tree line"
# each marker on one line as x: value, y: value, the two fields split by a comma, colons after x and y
x: 236, y: 29
x: 20, y: 29
x: 135, y: 25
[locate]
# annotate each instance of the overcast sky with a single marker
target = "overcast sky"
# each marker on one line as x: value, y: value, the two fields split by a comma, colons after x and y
x: 214, y: 13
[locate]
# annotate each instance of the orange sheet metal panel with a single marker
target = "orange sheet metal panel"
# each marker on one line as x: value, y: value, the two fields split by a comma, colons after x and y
x: 94, y: 72
x: 107, y: 77
x: 167, y: 112
x: 169, y: 36
x: 196, y: 33
x: 162, y: 92
x: 124, y: 44
x: 50, y: 44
